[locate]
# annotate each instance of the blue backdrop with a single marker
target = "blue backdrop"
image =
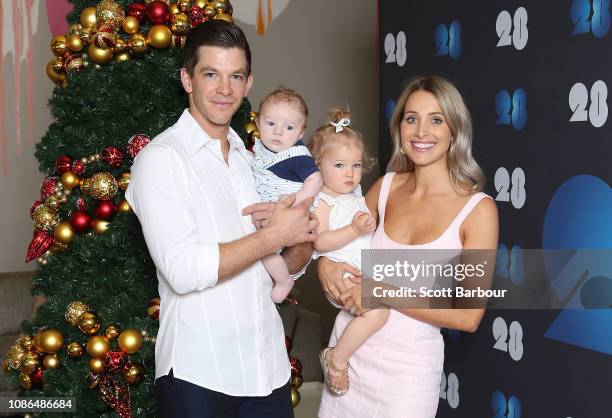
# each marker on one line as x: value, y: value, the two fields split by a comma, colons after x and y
x: 534, y: 75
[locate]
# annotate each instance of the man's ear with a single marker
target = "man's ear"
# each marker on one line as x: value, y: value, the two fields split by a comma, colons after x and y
x: 186, y: 80
x: 249, y: 84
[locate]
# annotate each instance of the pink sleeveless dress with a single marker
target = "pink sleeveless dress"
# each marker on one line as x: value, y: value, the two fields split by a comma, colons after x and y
x: 396, y: 373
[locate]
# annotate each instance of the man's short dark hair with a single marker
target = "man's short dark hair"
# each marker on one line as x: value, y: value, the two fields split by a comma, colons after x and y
x: 214, y: 33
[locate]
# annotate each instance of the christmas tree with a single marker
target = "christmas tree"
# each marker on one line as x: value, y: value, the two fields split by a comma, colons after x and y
x: 117, y: 71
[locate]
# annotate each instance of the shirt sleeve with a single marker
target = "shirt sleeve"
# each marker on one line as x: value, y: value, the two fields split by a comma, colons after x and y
x: 159, y: 199
x: 297, y: 168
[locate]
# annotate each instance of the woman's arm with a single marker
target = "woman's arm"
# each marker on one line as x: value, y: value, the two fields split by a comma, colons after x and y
x: 371, y: 198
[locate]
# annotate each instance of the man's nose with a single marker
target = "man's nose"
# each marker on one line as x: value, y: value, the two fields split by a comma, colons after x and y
x: 224, y: 87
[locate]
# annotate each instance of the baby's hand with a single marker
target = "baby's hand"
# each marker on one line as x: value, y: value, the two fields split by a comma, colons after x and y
x: 363, y: 223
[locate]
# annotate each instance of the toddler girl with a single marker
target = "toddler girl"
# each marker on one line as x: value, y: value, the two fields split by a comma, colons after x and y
x: 345, y: 228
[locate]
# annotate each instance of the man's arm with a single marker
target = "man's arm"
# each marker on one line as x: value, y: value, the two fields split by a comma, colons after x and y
x: 289, y: 226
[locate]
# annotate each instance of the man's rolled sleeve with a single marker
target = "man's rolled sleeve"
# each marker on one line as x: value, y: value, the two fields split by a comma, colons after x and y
x: 159, y: 197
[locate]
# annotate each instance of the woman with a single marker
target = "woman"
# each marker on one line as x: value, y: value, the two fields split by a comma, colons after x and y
x: 429, y: 199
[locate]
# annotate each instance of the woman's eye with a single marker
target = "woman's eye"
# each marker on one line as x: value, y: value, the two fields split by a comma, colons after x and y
x: 411, y: 119
x: 437, y: 121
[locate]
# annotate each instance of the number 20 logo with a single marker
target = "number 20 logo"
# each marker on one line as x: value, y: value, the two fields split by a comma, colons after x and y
x: 579, y: 100
x: 584, y: 22
x: 503, y: 26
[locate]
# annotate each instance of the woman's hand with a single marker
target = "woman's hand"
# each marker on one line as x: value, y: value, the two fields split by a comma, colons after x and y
x: 331, y: 277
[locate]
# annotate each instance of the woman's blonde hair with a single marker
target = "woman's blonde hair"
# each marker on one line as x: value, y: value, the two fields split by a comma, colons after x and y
x: 465, y: 173
x: 326, y: 136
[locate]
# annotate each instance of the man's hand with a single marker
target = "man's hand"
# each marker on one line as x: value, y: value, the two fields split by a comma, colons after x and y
x: 363, y: 223
x: 290, y: 225
x: 260, y: 213
x: 331, y: 276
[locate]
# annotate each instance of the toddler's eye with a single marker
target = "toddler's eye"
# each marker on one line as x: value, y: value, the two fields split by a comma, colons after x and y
x: 358, y: 165
x: 269, y: 123
x: 289, y: 128
x: 339, y: 165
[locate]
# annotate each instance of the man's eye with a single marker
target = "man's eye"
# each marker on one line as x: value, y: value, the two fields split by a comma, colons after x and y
x: 238, y: 77
x: 209, y: 75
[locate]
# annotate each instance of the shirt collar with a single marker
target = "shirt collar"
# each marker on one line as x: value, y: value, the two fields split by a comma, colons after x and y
x: 195, y: 138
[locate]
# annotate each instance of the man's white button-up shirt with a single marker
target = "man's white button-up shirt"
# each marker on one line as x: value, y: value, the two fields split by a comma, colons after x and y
x: 227, y: 337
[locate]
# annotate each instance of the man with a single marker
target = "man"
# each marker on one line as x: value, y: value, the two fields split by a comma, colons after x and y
x: 220, y: 348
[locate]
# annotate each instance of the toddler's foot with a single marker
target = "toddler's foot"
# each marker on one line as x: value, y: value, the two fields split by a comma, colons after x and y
x: 280, y: 291
x: 335, y: 374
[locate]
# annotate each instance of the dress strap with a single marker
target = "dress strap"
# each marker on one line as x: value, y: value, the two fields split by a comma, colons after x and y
x: 384, y: 195
x: 467, y: 209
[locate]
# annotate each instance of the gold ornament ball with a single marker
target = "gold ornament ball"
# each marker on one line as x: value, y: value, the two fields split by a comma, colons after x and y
x: 29, y: 363
x: 6, y: 366
x: 53, y: 203
x: 57, y: 65
x: 75, y: 63
x: 69, y: 180
x: 51, y: 361
x: 88, y: 17
x: 74, y: 43
x: 160, y: 36
x: 130, y: 341
x: 123, y: 56
x: 183, y: 5
x: 178, y: 41
x: 108, y: 12
x: 209, y: 11
x: 124, y: 181
x: 74, y: 349
x: 14, y: 356
x: 296, y: 381
x: 99, y: 55
x: 44, y: 218
x: 223, y: 16
x: 26, y: 342
x: 59, y: 45
x: 98, y: 346
x: 88, y: 323
x: 130, y: 25
x: 120, y: 45
x: 180, y: 24
x: 58, y: 248
x: 48, y: 340
x: 252, y: 116
x: 138, y: 44
x: 201, y: 3
x: 74, y: 310
x: 124, y: 207
x: 74, y: 29
x: 100, y: 226
x: 221, y: 6
x: 173, y: 9
x: 295, y: 397
x: 249, y: 127
x: 25, y: 381
x: 96, y: 365
x: 86, y: 36
x: 112, y: 332
x: 103, y: 186
x: 255, y: 135
x: 133, y: 374
x: 63, y: 233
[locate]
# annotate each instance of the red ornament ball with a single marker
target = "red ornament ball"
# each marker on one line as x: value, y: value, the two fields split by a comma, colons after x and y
x: 80, y: 221
x: 296, y: 366
x: 153, y: 308
x: 81, y: 204
x: 78, y: 167
x: 63, y: 163
x: 158, y: 12
x: 137, y: 10
x: 47, y: 188
x: 36, y: 204
x: 105, y: 209
x: 137, y: 143
x: 115, y: 361
x: 112, y: 156
x: 196, y: 16
x: 38, y: 379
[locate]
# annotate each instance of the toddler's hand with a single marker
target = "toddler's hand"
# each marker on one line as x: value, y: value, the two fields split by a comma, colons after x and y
x: 363, y: 223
